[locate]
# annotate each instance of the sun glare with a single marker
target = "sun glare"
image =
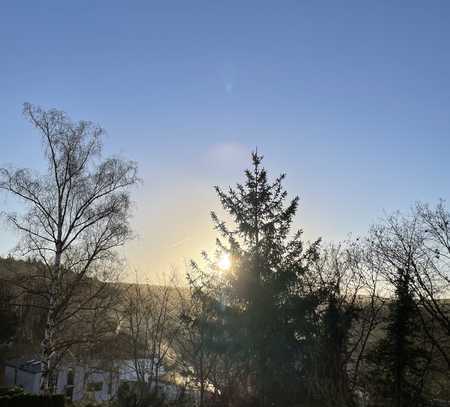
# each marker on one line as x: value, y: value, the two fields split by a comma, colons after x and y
x: 224, y: 262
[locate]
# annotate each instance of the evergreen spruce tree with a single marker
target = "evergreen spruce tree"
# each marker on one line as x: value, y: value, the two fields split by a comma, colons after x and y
x: 265, y: 284
x: 399, y: 359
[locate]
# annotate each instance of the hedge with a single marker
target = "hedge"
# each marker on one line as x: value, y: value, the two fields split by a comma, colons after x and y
x: 33, y: 400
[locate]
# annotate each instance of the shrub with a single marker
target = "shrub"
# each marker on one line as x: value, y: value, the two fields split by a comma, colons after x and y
x: 17, y: 399
x: 11, y: 391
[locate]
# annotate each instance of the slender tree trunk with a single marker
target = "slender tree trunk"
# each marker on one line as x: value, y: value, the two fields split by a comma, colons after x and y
x: 48, y: 348
x: 156, y: 380
x: 49, y: 355
x: 202, y: 377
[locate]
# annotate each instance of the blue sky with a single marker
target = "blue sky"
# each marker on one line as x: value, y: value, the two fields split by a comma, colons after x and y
x: 351, y: 99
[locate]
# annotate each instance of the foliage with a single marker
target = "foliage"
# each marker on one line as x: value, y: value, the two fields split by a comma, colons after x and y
x: 130, y: 395
x: 15, y: 398
x: 399, y: 362
x: 258, y: 310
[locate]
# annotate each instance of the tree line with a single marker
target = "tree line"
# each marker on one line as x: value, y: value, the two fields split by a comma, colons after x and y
x: 360, y: 322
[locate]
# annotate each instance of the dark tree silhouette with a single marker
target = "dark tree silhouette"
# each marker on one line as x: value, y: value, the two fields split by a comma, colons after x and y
x: 399, y: 359
x: 265, y: 283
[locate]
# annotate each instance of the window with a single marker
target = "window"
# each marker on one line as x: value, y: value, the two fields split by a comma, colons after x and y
x: 70, y: 377
x: 69, y: 385
x: 94, y: 386
x: 110, y: 382
x: 54, y: 380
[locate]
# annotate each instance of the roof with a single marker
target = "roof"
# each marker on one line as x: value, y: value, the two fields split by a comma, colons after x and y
x: 30, y: 366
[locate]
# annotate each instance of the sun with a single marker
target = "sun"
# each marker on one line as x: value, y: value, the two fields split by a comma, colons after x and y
x: 224, y: 262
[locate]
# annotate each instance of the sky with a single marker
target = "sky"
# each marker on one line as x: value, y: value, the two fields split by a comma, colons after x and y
x: 351, y: 99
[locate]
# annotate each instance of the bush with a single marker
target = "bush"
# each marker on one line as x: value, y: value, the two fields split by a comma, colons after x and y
x: 16, y: 399
x: 132, y: 395
x: 11, y: 391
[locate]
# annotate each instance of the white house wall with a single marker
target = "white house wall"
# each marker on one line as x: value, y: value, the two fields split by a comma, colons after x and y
x: 30, y: 382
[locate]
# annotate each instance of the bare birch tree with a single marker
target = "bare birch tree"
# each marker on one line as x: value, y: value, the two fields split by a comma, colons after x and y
x: 77, y: 214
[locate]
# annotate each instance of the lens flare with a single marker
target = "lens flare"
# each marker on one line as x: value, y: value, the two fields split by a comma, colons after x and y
x: 224, y: 262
